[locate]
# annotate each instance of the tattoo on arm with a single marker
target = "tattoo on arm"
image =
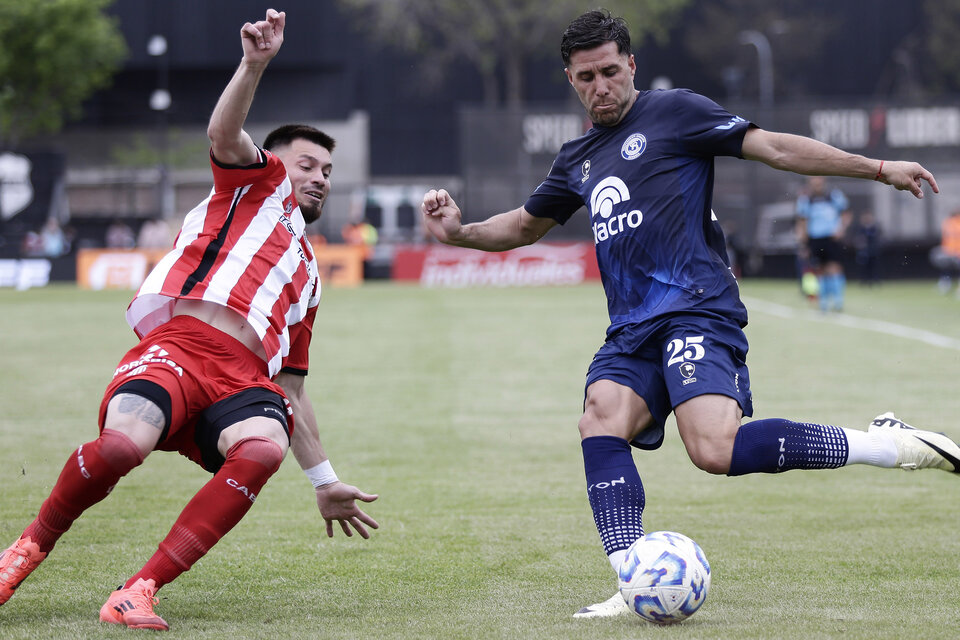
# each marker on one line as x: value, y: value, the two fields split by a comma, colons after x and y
x: 142, y: 409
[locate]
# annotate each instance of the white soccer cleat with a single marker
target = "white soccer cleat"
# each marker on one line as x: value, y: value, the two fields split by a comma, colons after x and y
x: 615, y: 606
x: 916, y: 448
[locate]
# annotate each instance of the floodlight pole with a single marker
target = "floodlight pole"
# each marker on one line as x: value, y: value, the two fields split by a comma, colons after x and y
x: 765, y: 64
x: 160, y: 102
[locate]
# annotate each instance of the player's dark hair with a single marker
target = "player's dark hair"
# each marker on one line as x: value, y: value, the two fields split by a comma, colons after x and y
x: 593, y: 29
x: 282, y: 136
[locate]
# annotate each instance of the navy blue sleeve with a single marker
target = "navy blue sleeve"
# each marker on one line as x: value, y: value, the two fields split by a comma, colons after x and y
x: 707, y: 129
x: 554, y: 198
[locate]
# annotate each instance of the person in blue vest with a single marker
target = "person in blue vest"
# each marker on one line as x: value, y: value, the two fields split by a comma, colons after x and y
x: 822, y: 220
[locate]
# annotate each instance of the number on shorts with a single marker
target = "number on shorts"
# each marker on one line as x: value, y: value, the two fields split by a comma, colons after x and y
x: 689, y: 348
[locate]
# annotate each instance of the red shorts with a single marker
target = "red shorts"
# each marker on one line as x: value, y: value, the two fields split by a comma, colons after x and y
x: 202, y: 378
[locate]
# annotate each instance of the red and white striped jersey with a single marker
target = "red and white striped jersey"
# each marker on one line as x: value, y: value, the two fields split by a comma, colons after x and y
x: 244, y: 247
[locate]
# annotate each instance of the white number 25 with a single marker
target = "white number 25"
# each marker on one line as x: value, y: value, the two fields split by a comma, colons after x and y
x: 680, y: 351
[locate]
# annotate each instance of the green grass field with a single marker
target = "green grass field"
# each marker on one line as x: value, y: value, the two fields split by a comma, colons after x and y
x: 459, y: 407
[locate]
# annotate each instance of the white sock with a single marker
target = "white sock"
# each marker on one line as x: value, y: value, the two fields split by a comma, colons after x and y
x: 616, y: 559
x: 871, y: 447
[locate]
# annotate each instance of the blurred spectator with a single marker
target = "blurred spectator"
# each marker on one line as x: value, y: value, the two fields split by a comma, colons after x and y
x: 822, y: 218
x: 867, y: 238
x: 361, y: 233
x: 946, y: 256
x: 120, y: 236
x: 154, y: 234
x: 32, y: 245
x: 49, y: 242
x: 317, y: 239
x: 53, y: 239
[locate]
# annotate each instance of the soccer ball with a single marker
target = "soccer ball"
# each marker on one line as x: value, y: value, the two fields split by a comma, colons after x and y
x: 664, y: 577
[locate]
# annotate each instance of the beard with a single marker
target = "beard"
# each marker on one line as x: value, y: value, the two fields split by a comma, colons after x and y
x: 311, y: 213
x: 607, y: 118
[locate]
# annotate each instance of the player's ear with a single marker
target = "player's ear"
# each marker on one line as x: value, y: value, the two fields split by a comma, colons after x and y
x: 566, y: 70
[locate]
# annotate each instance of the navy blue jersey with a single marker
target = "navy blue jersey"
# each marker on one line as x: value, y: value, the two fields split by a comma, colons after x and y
x: 647, y: 183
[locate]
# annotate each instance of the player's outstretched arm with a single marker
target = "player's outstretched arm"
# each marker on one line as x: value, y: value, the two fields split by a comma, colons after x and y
x: 442, y: 218
x: 261, y: 41
x: 811, y: 157
x: 337, y: 501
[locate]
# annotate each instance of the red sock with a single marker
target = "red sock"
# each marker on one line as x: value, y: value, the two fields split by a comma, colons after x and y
x: 87, y: 478
x: 217, y: 508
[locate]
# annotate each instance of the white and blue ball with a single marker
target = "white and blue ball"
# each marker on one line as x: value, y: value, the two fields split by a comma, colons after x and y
x: 664, y: 578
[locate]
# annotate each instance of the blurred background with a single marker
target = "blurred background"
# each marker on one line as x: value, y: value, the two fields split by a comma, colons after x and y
x: 104, y: 106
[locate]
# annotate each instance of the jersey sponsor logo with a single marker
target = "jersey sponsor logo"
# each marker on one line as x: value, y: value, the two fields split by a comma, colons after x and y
x: 604, y: 198
x: 731, y: 124
x: 154, y: 355
x: 633, y: 146
x: 285, y: 221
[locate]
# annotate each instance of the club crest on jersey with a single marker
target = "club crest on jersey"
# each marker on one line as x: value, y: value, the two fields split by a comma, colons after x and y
x: 634, y: 146
x: 585, y: 170
x: 687, y: 369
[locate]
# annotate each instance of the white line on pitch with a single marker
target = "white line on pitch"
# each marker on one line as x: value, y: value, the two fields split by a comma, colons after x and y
x: 854, y: 322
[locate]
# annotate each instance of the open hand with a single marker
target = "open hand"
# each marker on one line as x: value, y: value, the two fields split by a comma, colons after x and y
x: 337, y: 501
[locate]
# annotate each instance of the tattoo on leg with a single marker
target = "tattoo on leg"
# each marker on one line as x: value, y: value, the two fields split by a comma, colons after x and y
x: 141, y: 408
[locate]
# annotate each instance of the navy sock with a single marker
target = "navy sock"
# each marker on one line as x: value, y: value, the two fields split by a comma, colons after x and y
x: 615, y: 491
x: 775, y: 444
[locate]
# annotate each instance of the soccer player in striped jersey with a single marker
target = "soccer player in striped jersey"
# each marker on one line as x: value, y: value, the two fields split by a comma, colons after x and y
x: 675, y: 341
x: 225, y: 322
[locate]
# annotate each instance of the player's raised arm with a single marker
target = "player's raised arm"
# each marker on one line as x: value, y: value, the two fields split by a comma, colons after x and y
x: 811, y: 157
x: 261, y: 41
x: 504, y: 231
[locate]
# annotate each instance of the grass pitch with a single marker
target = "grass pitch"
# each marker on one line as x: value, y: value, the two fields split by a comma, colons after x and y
x: 459, y: 407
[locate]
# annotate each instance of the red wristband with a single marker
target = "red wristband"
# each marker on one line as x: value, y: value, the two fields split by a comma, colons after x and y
x: 879, y: 171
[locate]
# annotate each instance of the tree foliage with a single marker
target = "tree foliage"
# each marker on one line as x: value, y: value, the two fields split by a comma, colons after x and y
x: 942, y: 25
x: 497, y: 37
x: 53, y: 55
x: 795, y: 30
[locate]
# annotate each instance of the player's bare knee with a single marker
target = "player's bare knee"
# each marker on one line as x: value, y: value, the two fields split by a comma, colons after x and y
x: 711, y: 453
x: 711, y: 460
x: 595, y: 421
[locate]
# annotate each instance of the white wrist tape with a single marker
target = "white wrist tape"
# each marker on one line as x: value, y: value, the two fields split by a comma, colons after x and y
x: 321, y: 474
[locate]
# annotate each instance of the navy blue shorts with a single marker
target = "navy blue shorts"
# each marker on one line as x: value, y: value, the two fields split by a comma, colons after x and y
x: 684, y: 357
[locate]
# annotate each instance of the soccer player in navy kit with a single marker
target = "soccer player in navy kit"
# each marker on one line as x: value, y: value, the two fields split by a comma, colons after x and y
x: 675, y: 342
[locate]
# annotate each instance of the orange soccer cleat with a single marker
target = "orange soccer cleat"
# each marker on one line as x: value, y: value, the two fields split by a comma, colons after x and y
x: 134, y: 607
x: 16, y: 563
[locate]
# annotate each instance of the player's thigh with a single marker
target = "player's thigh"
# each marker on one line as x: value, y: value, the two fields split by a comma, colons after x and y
x: 708, y: 426
x: 137, y: 417
x: 613, y: 409
x: 705, y: 372
x: 250, y: 413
